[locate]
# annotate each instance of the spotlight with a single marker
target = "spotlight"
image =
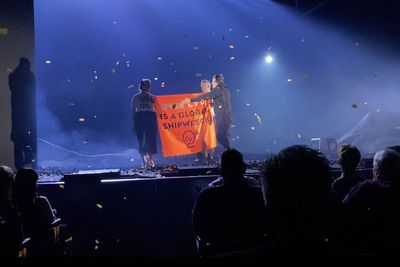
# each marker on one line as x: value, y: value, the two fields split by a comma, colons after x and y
x: 269, y: 59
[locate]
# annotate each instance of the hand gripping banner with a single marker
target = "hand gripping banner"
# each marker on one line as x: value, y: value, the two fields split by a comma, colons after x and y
x: 185, y: 128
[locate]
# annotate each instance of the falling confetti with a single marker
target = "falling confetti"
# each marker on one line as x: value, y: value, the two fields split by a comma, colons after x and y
x: 71, y: 104
x: 61, y: 186
x: 198, y: 74
x: 96, y: 247
x: 230, y: 29
x: 378, y: 110
x: 253, y: 128
x: 48, y: 61
x: 114, y: 22
x: 162, y: 84
x: 196, y: 48
x: 99, y: 206
x: 233, y: 126
x: 357, y: 44
x: 220, y: 106
x: 289, y: 80
x: 237, y: 137
x: 159, y: 58
x: 124, y: 198
x: 365, y: 103
x: 302, y: 40
x: 96, y: 77
x: 248, y: 104
x: 246, y: 36
x: 232, y: 58
x: 68, y: 80
x: 132, y: 160
x: 231, y: 46
x: 81, y: 120
x: 299, y: 136
x: 97, y: 241
x: 68, y: 240
x: 130, y: 86
x: 237, y: 90
x: 258, y: 118
x: 117, y: 63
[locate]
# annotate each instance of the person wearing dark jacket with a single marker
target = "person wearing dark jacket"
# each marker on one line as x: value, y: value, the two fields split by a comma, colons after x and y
x: 222, y: 108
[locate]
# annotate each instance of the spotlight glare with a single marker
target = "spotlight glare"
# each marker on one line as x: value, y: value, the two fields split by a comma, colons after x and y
x: 269, y: 59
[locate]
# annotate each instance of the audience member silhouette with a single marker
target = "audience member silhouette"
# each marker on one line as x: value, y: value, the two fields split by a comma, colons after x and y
x: 230, y: 216
x: 23, y: 114
x: 11, y: 232
x: 301, y: 209
x: 372, y: 208
x: 36, y: 211
x: 349, y: 158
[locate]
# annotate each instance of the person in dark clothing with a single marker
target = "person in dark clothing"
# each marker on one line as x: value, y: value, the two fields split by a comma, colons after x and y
x: 11, y: 232
x: 144, y: 123
x: 222, y: 108
x: 23, y: 114
x: 230, y: 216
x: 372, y: 208
x: 349, y: 158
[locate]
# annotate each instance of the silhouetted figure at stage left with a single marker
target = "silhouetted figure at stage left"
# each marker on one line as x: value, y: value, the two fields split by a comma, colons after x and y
x: 22, y: 84
x: 230, y: 216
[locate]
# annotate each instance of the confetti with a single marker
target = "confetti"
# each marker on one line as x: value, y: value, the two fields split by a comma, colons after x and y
x: 114, y: 22
x: 253, y: 128
x: 198, y: 74
x: 289, y: 80
x: 96, y: 247
x: 68, y: 80
x: 196, y: 48
x: 365, y: 103
x: 231, y: 46
x: 246, y: 36
x: 68, y: 240
x: 230, y: 29
x: 61, y: 186
x: 163, y: 84
x: 113, y: 71
x: 302, y: 40
x: 124, y: 198
x: 258, y: 118
x: 248, y: 104
x: 378, y: 110
x: 48, y: 61
x: 220, y: 106
x: 81, y: 120
x: 232, y: 58
x: 159, y: 58
x: 132, y: 160
x: 237, y: 137
x: 71, y: 104
x: 97, y: 241
x: 156, y: 78
x: 299, y: 136
x: 130, y: 86
x: 237, y: 90
x: 357, y: 44
x: 233, y: 126
x: 99, y: 206
x: 117, y: 63
x: 96, y: 77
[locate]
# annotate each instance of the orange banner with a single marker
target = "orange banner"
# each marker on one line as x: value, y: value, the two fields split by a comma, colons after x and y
x: 184, y: 128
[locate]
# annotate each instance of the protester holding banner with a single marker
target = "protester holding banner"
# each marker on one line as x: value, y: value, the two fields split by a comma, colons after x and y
x: 222, y: 108
x: 206, y: 155
x: 144, y: 122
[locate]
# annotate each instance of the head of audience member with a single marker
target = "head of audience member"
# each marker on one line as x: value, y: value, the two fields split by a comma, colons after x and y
x: 297, y: 189
x: 349, y: 158
x: 386, y: 165
x: 395, y: 148
x: 145, y: 85
x: 217, y: 80
x: 25, y: 186
x: 205, y: 86
x: 232, y: 166
x: 6, y: 184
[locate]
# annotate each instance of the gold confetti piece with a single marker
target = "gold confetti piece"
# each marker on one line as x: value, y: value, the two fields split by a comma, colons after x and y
x: 237, y: 90
x: 365, y: 103
x: 220, y: 106
x: 248, y: 104
x: 302, y: 40
x: 231, y: 46
x: 130, y: 86
x: 96, y: 77
x: 124, y: 198
x: 95, y: 116
x: 237, y: 137
x: 274, y: 142
x: 61, y: 186
x: 156, y: 78
x: 230, y: 29
x: 48, y: 61
x: 232, y: 58
x: 131, y: 160
x: 96, y: 247
x: 198, y: 74
x: 163, y: 84
x: 68, y: 80
x: 233, y: 126
x: 117, y: 63
x: 68, y: 240
x: 253, y: 128
x: 208, y: 172
x: 94, y: 71
x: 289, y: 80
x: 3, y: 31
x: 81, y: 120
x: 233, y: 139
x: 246, y: 36
x: 114, y: 22
x: 299, y: 136
x: 195, y: 48
x: 97, y: 241
x: 159, y: 58
x: 99, y: 206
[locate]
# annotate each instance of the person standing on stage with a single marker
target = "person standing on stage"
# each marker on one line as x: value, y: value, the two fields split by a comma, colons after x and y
x: 206, y: 155
x: 22, y: 84
x: 144, y: 123
x: 222, y: 108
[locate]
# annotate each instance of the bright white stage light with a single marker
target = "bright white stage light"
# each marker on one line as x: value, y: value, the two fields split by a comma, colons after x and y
x: 269, y: 59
